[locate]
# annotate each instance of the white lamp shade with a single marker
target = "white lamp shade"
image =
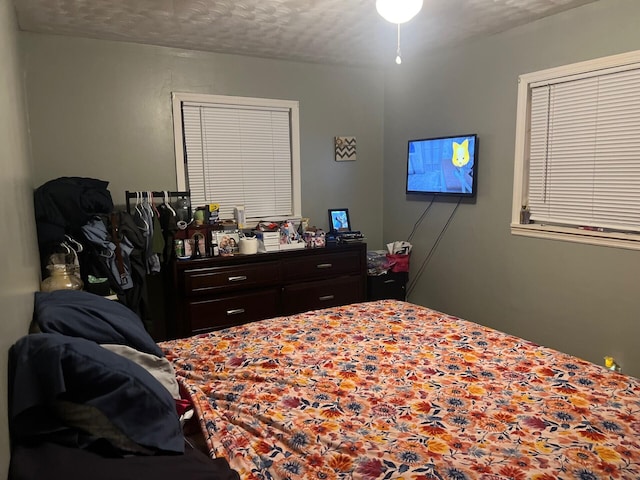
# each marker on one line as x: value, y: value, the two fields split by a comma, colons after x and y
x: 398, y: 11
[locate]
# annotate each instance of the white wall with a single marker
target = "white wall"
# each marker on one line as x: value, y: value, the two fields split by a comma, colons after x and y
x: 19, y: 264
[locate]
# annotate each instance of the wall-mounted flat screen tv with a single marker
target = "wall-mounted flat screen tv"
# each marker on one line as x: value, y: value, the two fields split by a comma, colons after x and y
x: 443, y: 166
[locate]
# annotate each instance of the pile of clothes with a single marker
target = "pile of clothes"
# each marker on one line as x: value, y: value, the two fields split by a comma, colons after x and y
x: 75, y: 217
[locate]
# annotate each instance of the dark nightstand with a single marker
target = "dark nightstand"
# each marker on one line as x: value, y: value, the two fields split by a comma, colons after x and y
x: 390, y: 285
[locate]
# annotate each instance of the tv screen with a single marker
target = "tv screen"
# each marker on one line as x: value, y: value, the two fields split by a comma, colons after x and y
x: 443, y: 165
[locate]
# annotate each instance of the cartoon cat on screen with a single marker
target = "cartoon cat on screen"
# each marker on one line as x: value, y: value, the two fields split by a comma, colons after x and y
x: 460, y: 160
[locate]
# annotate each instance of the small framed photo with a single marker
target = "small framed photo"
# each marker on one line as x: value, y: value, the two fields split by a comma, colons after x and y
x: 189, y: 244
x: 228, y: 242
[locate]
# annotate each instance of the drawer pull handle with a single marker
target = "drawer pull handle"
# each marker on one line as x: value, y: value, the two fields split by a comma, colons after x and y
x: 324, y: 265
x: 326, y: 297
x: 235, y: 311
x: 239, y: 278
x: 389, y: 281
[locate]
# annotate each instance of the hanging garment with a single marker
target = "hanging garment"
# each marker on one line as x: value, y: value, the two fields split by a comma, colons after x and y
x: 135, y: 298
x: 157, y: 241
x: 143, y: 217
x: 169, y: 228
x: 107, y: 258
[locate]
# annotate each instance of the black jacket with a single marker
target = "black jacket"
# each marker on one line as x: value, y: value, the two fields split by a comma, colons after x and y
x: 63, y: 205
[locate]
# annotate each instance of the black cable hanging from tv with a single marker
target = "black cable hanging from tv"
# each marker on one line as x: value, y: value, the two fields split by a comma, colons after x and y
x: 424, y: 263
x: 419, y: 221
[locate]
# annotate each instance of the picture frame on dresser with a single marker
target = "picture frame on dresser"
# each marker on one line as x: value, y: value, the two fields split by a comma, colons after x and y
x: 189, y: 243
x: 227, y: 242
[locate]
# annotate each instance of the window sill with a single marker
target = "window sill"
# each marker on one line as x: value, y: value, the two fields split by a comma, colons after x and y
x: 552, y: 232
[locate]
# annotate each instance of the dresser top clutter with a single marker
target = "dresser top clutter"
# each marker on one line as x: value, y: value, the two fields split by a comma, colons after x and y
x: 226, y: 272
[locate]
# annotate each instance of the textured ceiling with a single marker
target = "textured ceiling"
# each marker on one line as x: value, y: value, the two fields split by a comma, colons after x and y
x: 319, y: 31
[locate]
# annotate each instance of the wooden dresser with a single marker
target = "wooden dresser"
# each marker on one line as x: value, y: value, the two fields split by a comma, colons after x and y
x: 219, y: 292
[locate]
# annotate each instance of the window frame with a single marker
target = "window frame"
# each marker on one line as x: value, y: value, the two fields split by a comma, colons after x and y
x: 520, y: 175
x: 293, y: 106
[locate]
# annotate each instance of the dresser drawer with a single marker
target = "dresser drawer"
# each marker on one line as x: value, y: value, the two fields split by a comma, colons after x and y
x: 322, y: 266
x: 220, y: 279
x: 322, y: 294
x: 228, y: 310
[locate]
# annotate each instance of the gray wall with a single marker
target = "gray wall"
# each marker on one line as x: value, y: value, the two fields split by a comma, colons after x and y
x: 102, y: 109
x: 19, y: 264
x: 577, y: 298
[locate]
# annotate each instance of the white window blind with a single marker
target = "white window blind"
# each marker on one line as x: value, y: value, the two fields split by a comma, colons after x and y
x: 239, y: 154
x: 584, y: 151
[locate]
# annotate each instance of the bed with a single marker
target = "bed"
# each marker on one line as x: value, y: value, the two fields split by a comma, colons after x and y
x: 388, y: 389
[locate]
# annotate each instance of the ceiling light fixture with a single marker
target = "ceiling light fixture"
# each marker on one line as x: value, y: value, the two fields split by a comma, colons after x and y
x: 398, y: 11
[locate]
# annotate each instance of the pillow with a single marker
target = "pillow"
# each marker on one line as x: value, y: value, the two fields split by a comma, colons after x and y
x: 159, y: 367
x: 82, y: 314
x: 48, y: 368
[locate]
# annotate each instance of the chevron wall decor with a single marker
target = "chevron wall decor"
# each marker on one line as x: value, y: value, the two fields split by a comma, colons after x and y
x: 345, y: 149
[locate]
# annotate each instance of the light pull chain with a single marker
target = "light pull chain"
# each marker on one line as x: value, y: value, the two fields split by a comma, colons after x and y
x: 398, y: 55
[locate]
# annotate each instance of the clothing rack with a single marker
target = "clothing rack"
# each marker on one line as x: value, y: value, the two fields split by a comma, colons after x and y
x: 156, y: 194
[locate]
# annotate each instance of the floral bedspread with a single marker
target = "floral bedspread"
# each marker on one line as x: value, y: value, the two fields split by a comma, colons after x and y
x: 388, y: 389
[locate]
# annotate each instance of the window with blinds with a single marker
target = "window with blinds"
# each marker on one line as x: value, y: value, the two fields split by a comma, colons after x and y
x: 239, y: 151
x: 578, y: 153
